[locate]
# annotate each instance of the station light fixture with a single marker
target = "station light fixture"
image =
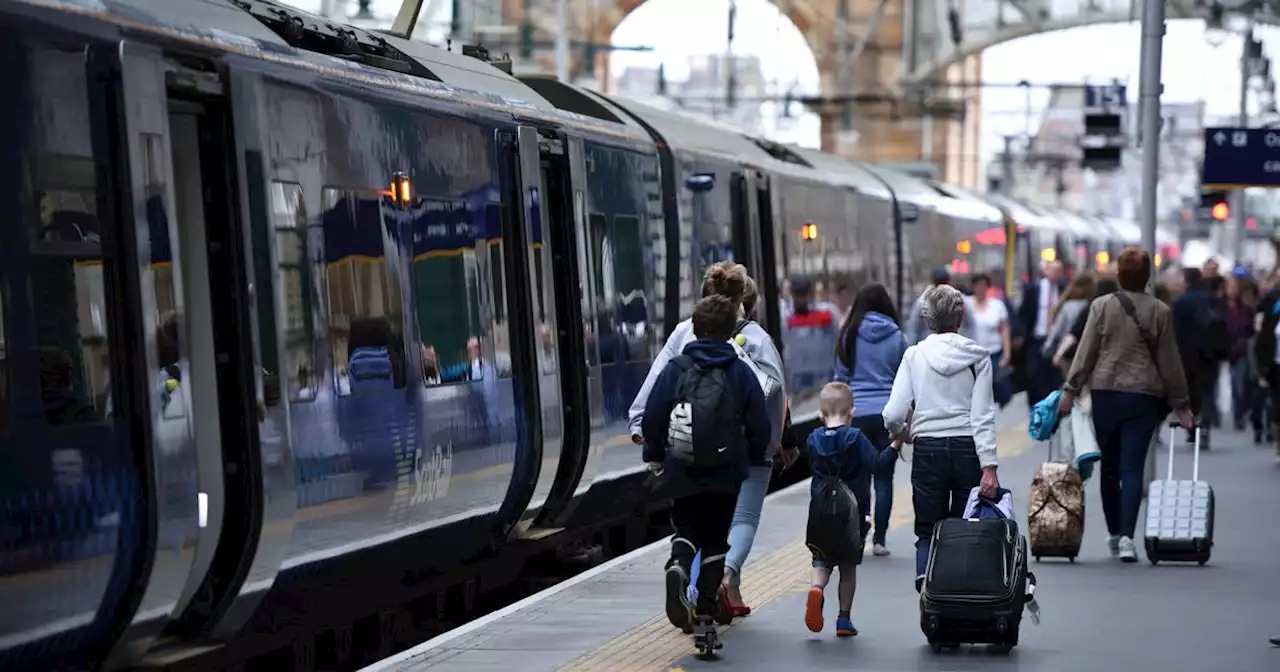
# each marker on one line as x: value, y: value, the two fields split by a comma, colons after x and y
x: 964, y: 247
x: 1048, y: 254
x: 1221, y: 211
x: 1103, y: 258
x: 809, y: 231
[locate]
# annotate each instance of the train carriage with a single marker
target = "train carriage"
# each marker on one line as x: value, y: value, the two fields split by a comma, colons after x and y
x: 299, y: 322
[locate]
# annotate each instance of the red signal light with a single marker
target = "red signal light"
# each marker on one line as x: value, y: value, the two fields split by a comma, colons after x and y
x: 1221, y: 212
x: 1251, y: 224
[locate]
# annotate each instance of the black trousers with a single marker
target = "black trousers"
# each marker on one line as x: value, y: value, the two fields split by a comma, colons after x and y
x: 943, y: 473
x: 702, y: 523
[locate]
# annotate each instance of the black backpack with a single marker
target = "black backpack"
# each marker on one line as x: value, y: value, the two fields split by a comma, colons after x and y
x: 704, y: 425
x: 1211, y: 329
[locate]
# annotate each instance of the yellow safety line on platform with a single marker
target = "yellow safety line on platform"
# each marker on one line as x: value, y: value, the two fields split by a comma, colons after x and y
x: 655, y: 645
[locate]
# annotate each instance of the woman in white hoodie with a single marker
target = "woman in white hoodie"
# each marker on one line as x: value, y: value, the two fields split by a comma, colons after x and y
x: 944, y: 385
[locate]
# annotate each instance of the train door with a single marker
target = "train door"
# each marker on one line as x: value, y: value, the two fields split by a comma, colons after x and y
x: 176, y: 134
x: 765, y: 256
x: 566, y: 269
x: 534, y: 165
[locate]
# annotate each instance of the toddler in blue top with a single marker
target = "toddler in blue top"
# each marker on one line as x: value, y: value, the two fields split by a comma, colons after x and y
x: 840, y: 455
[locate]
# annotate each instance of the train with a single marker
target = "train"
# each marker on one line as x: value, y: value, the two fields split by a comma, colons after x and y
x: 299, y: 321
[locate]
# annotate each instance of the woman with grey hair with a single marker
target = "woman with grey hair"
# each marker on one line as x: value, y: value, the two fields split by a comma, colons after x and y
x: 942, y: 402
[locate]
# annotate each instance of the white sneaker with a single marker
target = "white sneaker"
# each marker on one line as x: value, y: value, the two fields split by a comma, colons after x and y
x: 1113, y: 546
x: 1127, y: 551
x: 879, y: 550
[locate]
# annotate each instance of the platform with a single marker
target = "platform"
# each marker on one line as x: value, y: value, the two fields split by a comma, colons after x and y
x: 1098, y: 614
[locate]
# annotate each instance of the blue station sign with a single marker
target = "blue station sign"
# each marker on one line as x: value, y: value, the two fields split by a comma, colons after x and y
x: 1235, y: 158
x: 1107, y: 96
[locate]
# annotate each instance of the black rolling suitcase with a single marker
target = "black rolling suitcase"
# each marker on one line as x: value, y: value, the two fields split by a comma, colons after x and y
x: 975, y: 587
x: 1180, y: 513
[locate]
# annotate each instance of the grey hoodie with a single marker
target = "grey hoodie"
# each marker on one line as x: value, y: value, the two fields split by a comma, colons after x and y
x: 947, y: 378
x: 759, y: 347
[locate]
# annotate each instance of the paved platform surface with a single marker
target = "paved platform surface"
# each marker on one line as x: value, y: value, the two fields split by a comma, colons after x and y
x: 1099, y: 615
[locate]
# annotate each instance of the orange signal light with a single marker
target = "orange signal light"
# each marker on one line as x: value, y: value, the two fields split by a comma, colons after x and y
x: 1103, y: 258
x: 964, y: 247
x: 401, y: 189
x: 809, y: 231
x: 1221, y: 211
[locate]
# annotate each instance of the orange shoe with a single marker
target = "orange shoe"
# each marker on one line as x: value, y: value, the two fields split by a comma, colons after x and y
x: 813, y: 609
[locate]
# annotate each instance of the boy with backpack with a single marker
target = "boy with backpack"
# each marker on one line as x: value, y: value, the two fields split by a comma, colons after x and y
x: 704, y: 425
x: 842, y: 461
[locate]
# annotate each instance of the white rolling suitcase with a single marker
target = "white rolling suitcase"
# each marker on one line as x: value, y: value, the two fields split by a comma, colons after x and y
x: 1180, y: 513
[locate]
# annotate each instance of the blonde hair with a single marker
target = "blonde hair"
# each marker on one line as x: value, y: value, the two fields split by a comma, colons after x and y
x: 835, y: 401
x: 1083, y: 286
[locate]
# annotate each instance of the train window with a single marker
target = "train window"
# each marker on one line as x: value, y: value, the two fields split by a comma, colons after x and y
x: 68, y: 286
x: 363, y: 292
x: 629, y: 279
x: 447, y: 277
x: 289, y: 222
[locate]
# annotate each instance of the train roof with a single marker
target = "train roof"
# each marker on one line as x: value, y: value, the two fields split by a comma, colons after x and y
x: 685, y: 132
x: 963, y: 204
x: 906, y: 188
x: 379, y: 60
x: 1021, y: 215
x: 847, y: 172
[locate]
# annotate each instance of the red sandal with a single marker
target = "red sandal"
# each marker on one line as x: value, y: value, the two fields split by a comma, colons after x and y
x: 730, y: 610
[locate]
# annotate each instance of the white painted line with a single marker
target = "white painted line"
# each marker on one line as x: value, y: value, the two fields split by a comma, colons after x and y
x: 436, y: 642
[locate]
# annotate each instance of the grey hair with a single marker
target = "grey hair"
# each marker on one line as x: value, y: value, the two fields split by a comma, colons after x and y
x: 942, y: 308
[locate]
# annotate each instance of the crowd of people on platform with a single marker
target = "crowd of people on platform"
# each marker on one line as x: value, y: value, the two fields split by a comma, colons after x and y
x: 712, y: 415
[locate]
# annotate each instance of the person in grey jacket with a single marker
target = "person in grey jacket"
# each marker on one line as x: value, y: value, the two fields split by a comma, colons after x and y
x: 731, y: 279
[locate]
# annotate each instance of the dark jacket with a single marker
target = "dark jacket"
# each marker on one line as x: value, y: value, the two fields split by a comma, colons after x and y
x: 1186, y: 327
x: 1240, y: 324
x: 1264, y: 346
x: 846, y: 453
x: 749, y: 398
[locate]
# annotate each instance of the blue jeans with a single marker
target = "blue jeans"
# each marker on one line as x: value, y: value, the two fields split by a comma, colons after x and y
x: 746, y: 518
x: 872, y: 426
x: 1124, y: 423
x: 944, y: 470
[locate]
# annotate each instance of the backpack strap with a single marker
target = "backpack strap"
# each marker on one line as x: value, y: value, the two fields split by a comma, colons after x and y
x: 1131, y: 310
x: 740, y: 326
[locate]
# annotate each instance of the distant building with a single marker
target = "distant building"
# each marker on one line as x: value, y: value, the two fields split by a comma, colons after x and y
x: 1048, y: 170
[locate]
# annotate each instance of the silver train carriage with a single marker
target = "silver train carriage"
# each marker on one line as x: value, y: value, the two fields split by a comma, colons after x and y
x: 299, y: 321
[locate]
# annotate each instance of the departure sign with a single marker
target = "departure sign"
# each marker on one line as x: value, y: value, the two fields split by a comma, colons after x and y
x: 1235, y: 158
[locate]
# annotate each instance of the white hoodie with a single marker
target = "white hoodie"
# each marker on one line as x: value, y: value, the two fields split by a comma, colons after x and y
x: 948, y: 379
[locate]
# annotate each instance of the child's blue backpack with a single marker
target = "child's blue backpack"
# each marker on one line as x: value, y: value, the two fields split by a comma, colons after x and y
x: 370, y: 371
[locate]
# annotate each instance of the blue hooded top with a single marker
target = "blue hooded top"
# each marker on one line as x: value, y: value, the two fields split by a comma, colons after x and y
x: 880, y: 348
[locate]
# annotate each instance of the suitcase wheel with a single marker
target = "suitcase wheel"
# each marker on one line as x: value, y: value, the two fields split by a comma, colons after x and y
x: 1202, y: 562
x: 1153, y: 561
x: 935, y: 645
x: 1037, y: 558
x: 1071, y: 559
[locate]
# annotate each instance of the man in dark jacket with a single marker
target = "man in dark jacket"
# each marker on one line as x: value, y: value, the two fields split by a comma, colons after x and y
x: 707, y: 482
x: 1199, y: 323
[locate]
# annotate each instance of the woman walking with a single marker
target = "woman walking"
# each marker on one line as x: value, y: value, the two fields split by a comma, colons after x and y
x: 946, y: 379
x: 868, y: 352
x: 731, y: 280
x: 989, y: 322
x: 1128, y: 358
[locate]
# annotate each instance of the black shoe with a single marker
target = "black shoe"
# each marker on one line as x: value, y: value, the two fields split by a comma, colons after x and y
x: 679, y: 612
x: 1257, y: 438
x: 1275, y: 641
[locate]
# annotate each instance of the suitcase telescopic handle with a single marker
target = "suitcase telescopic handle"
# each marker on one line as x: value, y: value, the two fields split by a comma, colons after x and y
x: 1195, y: 459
